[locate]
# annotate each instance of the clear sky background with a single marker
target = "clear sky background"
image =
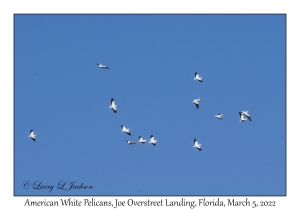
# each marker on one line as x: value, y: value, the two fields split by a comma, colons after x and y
x: 64, y: 97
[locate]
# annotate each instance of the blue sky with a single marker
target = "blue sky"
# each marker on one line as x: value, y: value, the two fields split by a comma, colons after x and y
x: 61, y: 93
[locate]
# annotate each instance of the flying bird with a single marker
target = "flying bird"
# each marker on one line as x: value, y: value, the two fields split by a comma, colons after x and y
x: 219, y: 116
x: 130, y: 142
x: 125, y: 130
x: 246, y: 113
x: 242, y: 118
x: 113, y: 105
x: 141, y: 140
x: 152, y: 140
x: 196, y: 102
x: 200, y: 79
x: 32, y: 135
x: 196, y: 145
x: 102, y: 66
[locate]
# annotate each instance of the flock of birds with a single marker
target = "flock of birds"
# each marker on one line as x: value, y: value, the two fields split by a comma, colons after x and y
x: 153, y: 141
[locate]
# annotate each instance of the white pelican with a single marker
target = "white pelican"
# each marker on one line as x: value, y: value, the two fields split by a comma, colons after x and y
x: 141, y: 140
x: 113, y: 105
x: 200, y: 79
x: 130, y: 142
x: 196, y: 102
x: 125, y: 130
x: 196, y: 145
x: 32, y: 135
x: 102, y: 66
x: 152, y: 141
x: 242, y: 118
x: 247, y: 115
x: 219, y: 116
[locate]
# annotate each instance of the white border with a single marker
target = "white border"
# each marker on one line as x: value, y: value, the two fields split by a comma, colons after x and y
x: 8, y: 8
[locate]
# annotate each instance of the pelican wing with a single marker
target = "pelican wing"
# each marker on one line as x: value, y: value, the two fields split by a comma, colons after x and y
x: 249, y: 118
x: 243, y: 118
x: 196, y: 143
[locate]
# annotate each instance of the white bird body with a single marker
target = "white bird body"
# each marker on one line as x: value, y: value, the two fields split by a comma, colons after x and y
x: 130, y: 142
x: 125, y: 130
x: 242, y: 117
x: 196, y: 145
x: 246, y: 113
x: 152, y: 140
x: 141, y: 140
x: 219, y: 116
x: 32, y: 135
x: 200, y: 79
x: 113, y: 105
x: 102, y: 66
x: 196, y: 102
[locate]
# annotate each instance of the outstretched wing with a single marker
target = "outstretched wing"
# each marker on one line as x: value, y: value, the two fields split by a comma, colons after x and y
x: 249, y: 117
x: 196, y: 143
x: 243, y: 118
